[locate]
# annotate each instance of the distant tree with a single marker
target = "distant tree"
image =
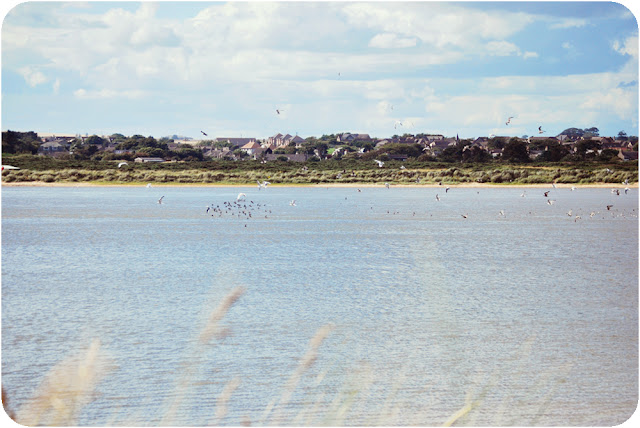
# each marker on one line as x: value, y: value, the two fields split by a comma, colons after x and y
x: 20, y: 142
x: 94, y: 139
x: 591, y: 132
x: 475, y: 154
x: 608, y: 155
x: 515, y: 151
x: 622, y: 135
x: 573, y: 132
x: 588, y: 145
x: 554, y: 152
x: 451, y: 153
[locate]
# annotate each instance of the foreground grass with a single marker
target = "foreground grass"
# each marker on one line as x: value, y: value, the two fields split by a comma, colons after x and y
x: 73, y: 383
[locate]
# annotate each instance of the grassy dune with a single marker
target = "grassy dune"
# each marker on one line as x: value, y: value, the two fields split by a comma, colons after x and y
x: 498, y: 174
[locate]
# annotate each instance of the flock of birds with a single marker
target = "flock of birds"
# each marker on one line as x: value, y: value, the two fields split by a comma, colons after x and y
x: 243, y: 209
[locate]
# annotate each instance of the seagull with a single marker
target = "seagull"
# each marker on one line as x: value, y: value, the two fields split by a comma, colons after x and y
x: 241, y: 197
x: 380, y: 163
x: 502, y: 213
x: 263, y: 184
x: 278, y: 111
x: 550, y: 201
x: 554, y: 185
x: 437, y: 198
x: 446, y: 189
x: 576, y: 218
x: 121, y: 164
x: 626, y: 182
x: 546, y: 194
x: 573, y: 188
x: 626, y: 190
x: 464, y: 215
x: 570, y: 213
x: 540, y: 131
x: 293, y: 203
x: 403, y: 167
x: 148, y: 185
x: 509, y: 120
x: 204, y: 133
x: 396, y: 124
x: 160, y: 200
x: 609, y: 207
x: 386, y: 185
x: 592, y: 214
x: 524, y: 193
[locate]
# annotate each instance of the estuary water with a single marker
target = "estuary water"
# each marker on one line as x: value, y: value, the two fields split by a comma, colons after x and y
x: 492, y: 297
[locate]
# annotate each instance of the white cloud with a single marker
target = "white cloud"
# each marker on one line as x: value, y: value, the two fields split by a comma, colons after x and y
x: 569, y: 23
x: 502, y: 48
x: 627, y: 47
x: 56, y: 86
x: 32, y: 77
x: 390, y: 40
x: 106, y: 93
x: 528, y: 55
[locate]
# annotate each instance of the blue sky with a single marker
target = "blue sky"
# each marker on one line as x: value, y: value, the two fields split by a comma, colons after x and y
x: 382, y: 68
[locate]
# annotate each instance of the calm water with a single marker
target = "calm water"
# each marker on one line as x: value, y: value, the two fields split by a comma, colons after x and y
x: 534, y: 312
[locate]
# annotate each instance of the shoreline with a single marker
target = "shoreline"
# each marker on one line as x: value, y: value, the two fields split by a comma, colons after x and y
x: 335, y: 185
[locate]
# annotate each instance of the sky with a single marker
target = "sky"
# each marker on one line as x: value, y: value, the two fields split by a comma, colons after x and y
x: 255, y: 69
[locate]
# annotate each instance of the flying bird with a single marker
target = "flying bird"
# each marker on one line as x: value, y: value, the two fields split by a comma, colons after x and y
x: 464, y: 215
x: 550, y: 201
x: 437, y: 198
x: 278, y: 111
x: 263, y: 184
x: 121, y: 164
x: 204, y: 133
x: 508, y: 120
x: 293, y: 203
x: 380, y: 163
x: 540, y: 131
x: 609, y: 207
x: 160, y: 200
x: 241, y: 197
x: 386, y: 185
x: 546, y: 193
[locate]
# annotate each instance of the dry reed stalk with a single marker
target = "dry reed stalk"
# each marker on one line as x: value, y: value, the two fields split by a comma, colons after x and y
x: 66, y: 388
x: 223, y: 400
x: 210, y: 330
x: 307, y: 361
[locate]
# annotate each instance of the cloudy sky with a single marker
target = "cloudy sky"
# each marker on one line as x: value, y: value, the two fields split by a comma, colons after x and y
x: 224, y: 68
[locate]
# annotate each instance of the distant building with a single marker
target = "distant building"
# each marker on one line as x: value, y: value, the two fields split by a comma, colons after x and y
x: 148, y: 160
x: 53, y: 148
